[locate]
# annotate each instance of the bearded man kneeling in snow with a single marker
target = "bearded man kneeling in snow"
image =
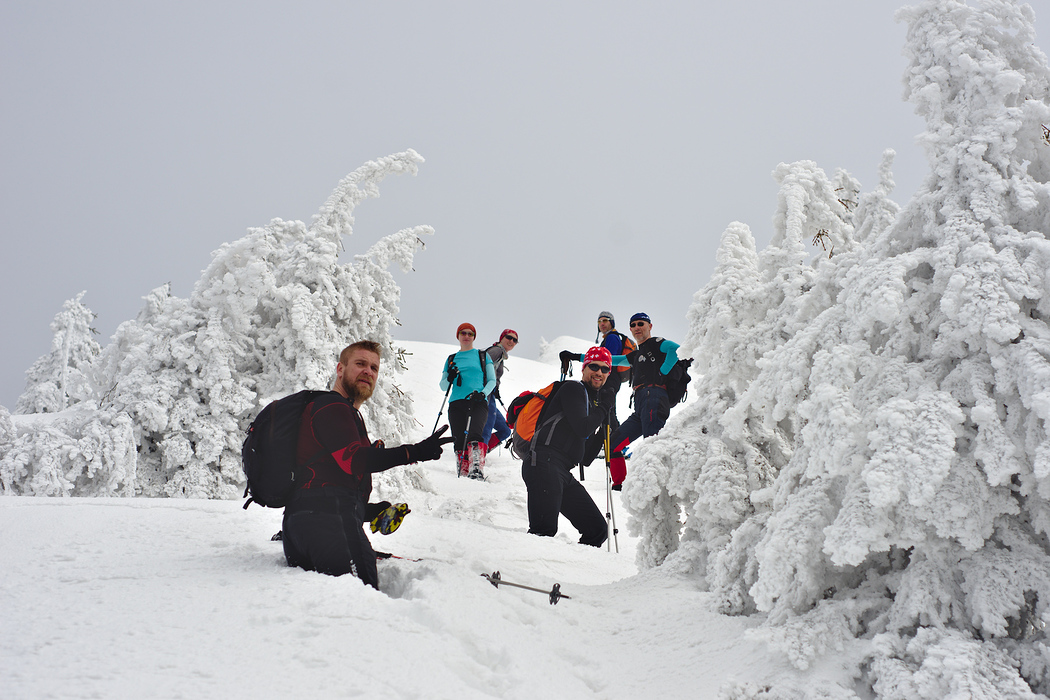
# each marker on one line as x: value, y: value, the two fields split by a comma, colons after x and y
x: 323, y: 526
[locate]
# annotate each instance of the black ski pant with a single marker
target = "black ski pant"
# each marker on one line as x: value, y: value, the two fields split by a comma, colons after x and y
x: 323, y: 531
x: 552, y: 490
x: 467, y: 418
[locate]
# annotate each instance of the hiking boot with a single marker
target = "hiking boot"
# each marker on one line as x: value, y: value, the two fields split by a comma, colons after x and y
x: 617, y: 487
x: 476, y: 459
x: 493, y: 442
x: 462, y: 463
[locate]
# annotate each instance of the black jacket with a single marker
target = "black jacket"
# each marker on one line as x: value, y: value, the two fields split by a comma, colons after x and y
x: 572, y: 416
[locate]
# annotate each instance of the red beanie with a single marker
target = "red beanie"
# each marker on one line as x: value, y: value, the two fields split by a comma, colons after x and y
x: 598, y: 355
x: 466, y: 325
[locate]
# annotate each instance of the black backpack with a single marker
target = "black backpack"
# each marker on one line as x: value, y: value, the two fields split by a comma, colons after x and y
x: 268, y: 454
x: 678, y: 381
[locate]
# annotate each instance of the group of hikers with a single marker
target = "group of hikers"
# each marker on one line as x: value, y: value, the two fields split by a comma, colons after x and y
x: 323, y: 521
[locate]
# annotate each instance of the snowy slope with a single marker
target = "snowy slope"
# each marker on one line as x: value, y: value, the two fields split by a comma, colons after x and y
x: 188, y: 599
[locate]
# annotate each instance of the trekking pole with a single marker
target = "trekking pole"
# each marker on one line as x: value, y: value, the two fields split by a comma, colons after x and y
x: 610, y: 513
x: 442, y: 410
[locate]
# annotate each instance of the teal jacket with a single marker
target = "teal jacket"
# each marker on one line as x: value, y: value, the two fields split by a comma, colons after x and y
x: 471, y: 376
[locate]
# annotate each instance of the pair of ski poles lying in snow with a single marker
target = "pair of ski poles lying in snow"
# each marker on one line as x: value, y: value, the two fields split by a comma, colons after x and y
x: 495, y: 579
x: 555, y: 593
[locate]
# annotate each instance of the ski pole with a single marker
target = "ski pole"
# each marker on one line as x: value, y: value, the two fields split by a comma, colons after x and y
x: 442, y: 410
x: 610, y: 514
x: 555, y: 592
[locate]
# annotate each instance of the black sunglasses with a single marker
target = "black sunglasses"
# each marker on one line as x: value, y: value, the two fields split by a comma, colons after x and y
x: 637, y: 324
x: 511, y: 338
x: 595, y: 367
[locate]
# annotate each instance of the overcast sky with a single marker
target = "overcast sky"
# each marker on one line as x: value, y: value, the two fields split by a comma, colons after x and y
x: 580, y: 156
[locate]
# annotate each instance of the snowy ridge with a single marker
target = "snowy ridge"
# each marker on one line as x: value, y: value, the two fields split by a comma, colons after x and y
x: 190, y: 598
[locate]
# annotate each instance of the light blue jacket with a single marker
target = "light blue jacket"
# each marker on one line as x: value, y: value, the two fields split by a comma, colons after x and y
x: 470, y: 378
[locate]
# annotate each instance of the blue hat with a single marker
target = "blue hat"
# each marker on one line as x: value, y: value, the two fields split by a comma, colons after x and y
x: 642, y: 317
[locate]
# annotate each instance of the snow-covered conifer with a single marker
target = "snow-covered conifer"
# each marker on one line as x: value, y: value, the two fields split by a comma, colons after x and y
x: 80, y: 451
x: 268, y: 317
x: 752, y: 305
x: 59, y: 379
x: 906, y: 383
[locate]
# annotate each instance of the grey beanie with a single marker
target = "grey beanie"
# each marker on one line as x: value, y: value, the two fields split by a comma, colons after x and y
x: 608, y: 315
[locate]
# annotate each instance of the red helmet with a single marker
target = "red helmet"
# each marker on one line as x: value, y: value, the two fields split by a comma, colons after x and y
x: 597, y: 354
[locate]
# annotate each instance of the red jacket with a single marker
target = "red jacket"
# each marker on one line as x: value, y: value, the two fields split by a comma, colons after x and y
x: 334, y: 449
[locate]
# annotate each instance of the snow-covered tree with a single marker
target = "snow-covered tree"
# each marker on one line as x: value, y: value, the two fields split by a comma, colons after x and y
x: 881, y: 470
x: 269, y: 316
x: 752, y: 305
x: 58, y: 379
x: 80, y: 451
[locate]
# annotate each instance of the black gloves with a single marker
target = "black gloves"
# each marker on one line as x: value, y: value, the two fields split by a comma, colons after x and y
x: 477, y: 397
x: 606, y: 398
x: 430, y: 448
x: 372, y: 510
x: 566, y: 357
x: 453, y: 373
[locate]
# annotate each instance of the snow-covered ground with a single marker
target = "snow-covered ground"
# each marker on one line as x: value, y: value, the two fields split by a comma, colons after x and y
x: 169, y: 598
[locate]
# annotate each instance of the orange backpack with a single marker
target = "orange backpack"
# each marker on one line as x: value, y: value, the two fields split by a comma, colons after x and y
x: 523, y: 415
x: 629, y: 346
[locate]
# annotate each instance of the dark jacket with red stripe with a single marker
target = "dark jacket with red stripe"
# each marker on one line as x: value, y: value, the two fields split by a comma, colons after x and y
x: 334, y: 449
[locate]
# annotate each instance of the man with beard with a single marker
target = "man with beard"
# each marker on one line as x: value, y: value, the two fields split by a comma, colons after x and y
x: 574, y: 413
x: 650, y: 365
x: 323, y: 522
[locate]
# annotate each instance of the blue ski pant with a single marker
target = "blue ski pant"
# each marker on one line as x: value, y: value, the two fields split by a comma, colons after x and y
x: 651, y: 409
x: 495, y: 422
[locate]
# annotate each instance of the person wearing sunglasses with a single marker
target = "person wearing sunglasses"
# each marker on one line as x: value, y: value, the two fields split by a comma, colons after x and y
x: 617, y: 344
x: 649, y: 364
x: 469, y: 379
x: 323, y: 522
x: 573, y: 414
x: 498, y: 352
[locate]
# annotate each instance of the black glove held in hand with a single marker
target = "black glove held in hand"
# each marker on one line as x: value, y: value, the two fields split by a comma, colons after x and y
x: 567, y: 356
x: 372, y: 510
x: 430, y: 448
x: 452, y: 373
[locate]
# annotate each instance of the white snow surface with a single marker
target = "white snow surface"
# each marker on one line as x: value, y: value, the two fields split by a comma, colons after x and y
x: 183, y: 598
